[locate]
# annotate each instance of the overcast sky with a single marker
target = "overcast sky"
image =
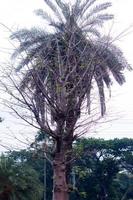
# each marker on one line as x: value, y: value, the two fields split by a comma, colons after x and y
x: 18, y: 14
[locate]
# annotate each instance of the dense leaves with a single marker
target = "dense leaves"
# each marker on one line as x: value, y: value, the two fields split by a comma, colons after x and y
x: 100, y: 171
x: 18, y: 180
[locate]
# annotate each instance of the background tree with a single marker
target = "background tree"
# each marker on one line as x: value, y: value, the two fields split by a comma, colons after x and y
x: 99, y: 171
x: 125, y: 186
x: 56, y: 75
x: 18, y: 180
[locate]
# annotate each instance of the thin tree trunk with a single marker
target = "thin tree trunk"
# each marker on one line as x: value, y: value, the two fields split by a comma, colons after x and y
x: 60, y: 186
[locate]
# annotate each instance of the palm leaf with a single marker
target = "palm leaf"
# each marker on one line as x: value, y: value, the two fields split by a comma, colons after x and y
x: 84, y: 6
x: 29, y: 41
x: 105, y: 74
x: 54, y: 9
x: 99, y: 8
x: 94, y: 22
x: 64, y: 8
x: 33, y: 53
x: 44, y: 15
x: 97, y: 20
x: 92, y: 30
x: 113, y: 59
x: 76, y: 8
x: 100, y: 86
x: 25, y: 34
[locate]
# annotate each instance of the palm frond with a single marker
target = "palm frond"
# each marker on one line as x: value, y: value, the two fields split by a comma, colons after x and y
x: 29, y: 41
x: 100, y: 86
x: 99, y: 8
x: 119, y: 76
x: 92, y: 30
x: 85, y: 5
x: 44, y: 15
x: 23, y: 48
x: 105, y: 74
x: 24, y: 35
x: 64, y: 8
x: 76, y: 8
x: 105, y: 17
x: 96, y: 21
x: 54, y: 9
x: 113, y: 58
x: 33, y: 53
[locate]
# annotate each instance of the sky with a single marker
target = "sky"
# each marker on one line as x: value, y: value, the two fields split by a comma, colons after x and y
x: 118, y: 121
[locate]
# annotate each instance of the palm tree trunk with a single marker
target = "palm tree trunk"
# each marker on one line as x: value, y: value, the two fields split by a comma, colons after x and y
x: 62, y: 160
x: 60, y: 186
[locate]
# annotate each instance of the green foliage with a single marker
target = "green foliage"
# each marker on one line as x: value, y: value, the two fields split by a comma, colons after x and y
x: 125, y: 181
x: 35, y: 159
x: 21, y: 178
x: 103, y: 168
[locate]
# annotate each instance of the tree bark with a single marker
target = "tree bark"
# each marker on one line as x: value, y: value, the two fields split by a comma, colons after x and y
x: 60, y: 186
x: 62, y: 158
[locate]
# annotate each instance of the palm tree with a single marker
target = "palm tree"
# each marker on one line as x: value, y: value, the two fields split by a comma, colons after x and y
x: 59, y: 68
